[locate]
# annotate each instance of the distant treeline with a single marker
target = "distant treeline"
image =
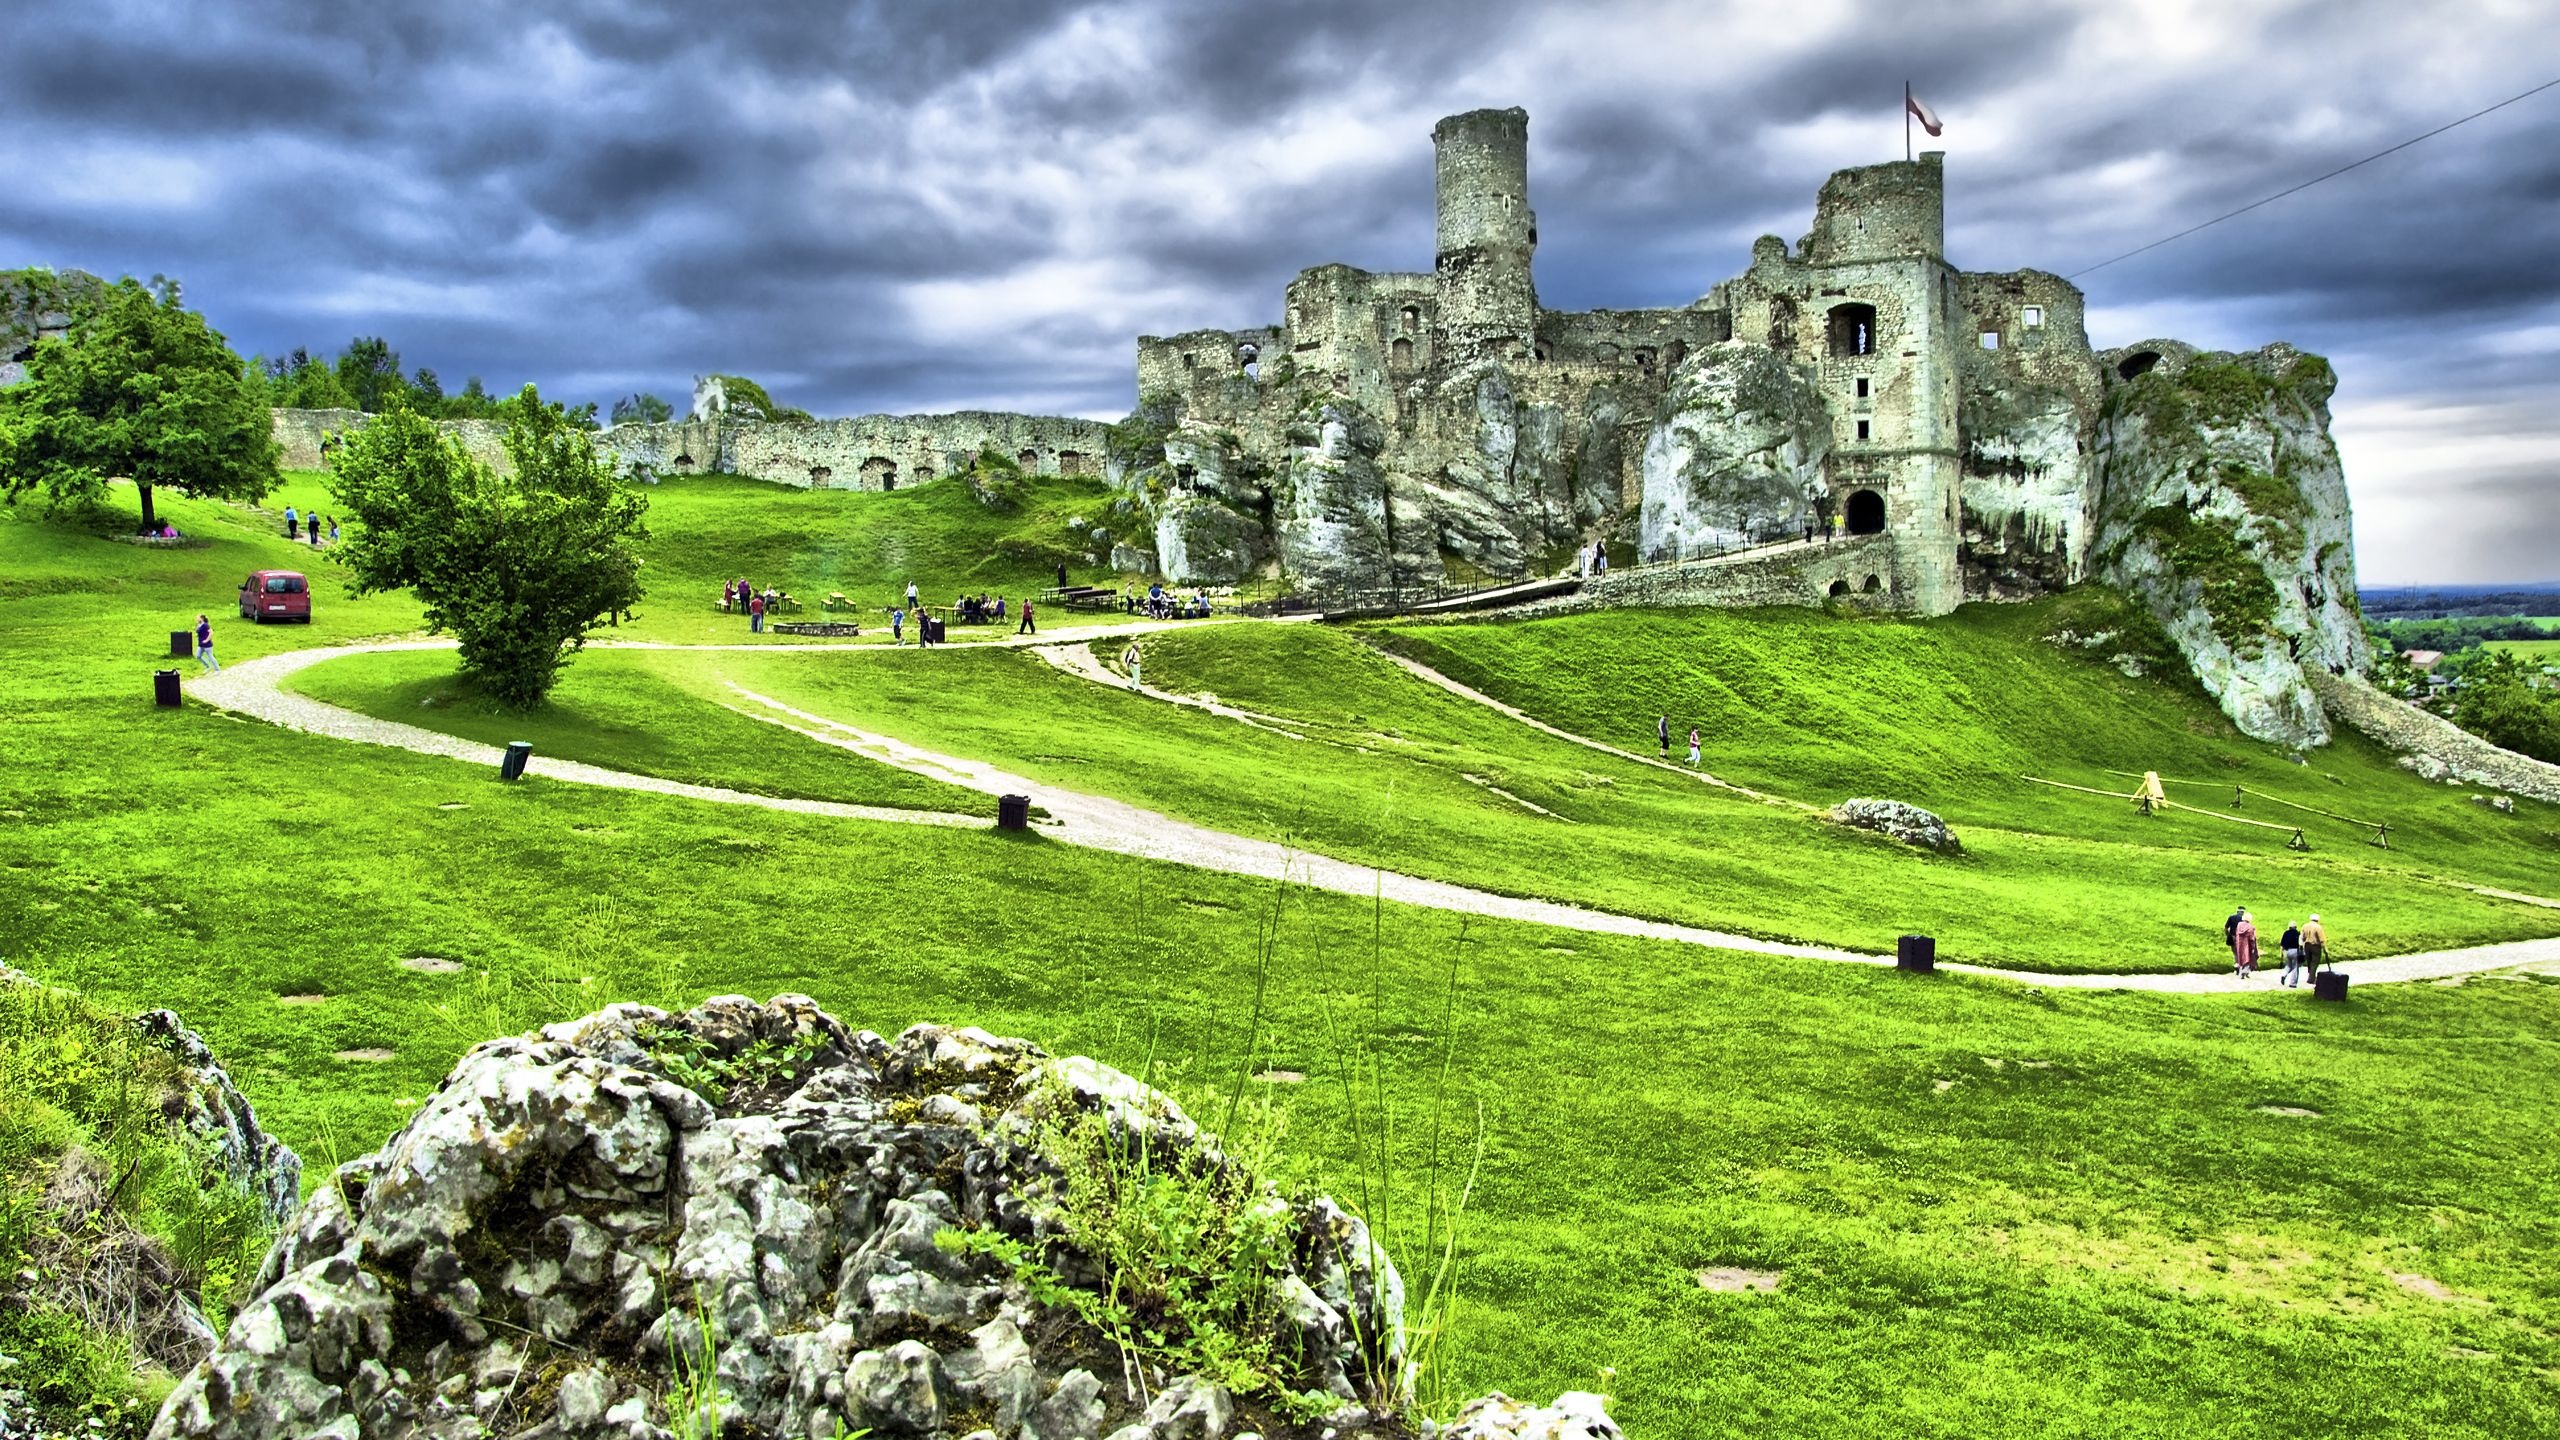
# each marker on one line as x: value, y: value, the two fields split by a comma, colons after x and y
x: 367, y: 376
x: 2455, y: 633
x: 2437, y: 602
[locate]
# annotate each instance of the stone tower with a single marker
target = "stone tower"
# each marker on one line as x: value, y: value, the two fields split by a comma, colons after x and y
x: 1487, y: 233
x: 1884, y: 315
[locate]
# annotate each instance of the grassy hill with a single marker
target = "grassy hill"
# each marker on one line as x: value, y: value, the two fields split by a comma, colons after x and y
x: 1998, y: 1210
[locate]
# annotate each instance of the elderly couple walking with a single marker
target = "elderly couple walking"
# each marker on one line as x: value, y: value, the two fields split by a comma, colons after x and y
x: 2305, y: 946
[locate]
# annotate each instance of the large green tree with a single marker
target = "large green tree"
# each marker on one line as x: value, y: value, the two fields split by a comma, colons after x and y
x: 519, y: 567
x: 2498, y: 701
x: 140, y: 388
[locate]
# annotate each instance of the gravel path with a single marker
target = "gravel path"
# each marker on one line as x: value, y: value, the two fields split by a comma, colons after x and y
x: 253, y: 688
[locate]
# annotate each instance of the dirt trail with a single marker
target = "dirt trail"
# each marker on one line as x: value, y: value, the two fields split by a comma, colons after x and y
x: 253, y: 688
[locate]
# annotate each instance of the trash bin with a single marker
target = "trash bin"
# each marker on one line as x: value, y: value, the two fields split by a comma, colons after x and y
x: 934, y: 631
x: 164, y: 688
x: 2329, y: 985
x: 518, y: 752
x: 1918, y: 953
x: 1013, y: 812
x: 182, y: 644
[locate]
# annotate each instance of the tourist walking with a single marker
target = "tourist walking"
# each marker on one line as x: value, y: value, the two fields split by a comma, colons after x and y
x: 292, y: 523
x: 1662, y: 732
x: 911, y: 595
x: 2244, y: 946
x: 1062, y: 575
x: 2315, y: 945
x: 924, y: 628
x: 897, y: 626
x: 312, y: 522
x: 204, y: 644
x: 755, y: 614
x: 333, y: 532
x: 1599, y: 557
x: 2291, y: 945
x: 1129, y: 657
x: 1028, y: 626
x: 1693, y: 747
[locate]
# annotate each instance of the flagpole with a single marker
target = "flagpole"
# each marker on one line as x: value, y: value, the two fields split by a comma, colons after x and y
x: 1906, y: 121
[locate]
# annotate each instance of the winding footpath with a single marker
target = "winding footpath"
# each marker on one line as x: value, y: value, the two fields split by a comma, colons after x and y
x: 254, y: 688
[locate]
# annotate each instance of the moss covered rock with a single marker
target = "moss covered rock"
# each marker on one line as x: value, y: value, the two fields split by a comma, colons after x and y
x: 2223, y: 510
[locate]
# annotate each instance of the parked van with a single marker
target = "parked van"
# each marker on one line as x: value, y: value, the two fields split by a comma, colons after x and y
x: 275, y: 595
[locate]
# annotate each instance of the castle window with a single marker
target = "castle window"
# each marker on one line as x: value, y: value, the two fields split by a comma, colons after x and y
x: 1874, y: 585
x: 1028, y: 459
x: 1070, y: 462
x: 1865, y: 513
x: 2032, y: 317
x: 1644, y: 359
x: 1190, y: 361
x: 1400, y: 354
x: 1411, y: 318
x: 819, y: 475
x: 1853, y: 329
x: 1839, y: 587
x: 1990, y: 339
x: 1866, y: 387
x: 1862, y: 429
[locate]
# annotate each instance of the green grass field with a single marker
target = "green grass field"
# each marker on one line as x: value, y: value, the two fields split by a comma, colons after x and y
x: 1999, y: 1210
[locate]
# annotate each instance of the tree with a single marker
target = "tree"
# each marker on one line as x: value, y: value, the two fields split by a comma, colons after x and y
x: 2497, y: 701
x: 642, y: 409
x: 518, y: 567
x: 304, y: 383
x: 474, y: 403
x: 141, y: 388
x: 426, y: 392
x: 370, y: 370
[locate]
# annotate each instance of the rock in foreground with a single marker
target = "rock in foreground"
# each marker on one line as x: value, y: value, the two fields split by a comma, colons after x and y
x: 748, y: 1220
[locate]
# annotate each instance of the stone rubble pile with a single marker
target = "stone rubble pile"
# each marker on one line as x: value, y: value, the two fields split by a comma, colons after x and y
x: 587, y: 1231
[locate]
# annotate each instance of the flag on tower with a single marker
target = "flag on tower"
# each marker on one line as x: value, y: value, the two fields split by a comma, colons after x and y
x: 1920, y: 111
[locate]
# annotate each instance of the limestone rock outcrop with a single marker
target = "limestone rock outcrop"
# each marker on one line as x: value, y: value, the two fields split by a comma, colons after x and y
x: 206, y: 1105
x: 623, y: 1222
x: 37, y: 305
x: 1736, y: 453
x: 1333, y: 501
x: 2222, y: 509
x: 1896, y: 820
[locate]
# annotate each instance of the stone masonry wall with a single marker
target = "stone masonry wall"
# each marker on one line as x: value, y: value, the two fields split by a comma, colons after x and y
x: 2434, y: 746
x: 867, y: 452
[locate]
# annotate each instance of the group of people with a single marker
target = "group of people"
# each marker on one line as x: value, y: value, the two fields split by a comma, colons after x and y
x: 297, y: 526
x: 1157, y: 604
x: 978, y: 609
x: 1662, y: 734
x: 741, y: 596
x: 2305, y: 947
x: 1595, y: 561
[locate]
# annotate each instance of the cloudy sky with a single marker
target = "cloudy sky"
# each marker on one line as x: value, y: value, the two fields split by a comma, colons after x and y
x: 917, y: 206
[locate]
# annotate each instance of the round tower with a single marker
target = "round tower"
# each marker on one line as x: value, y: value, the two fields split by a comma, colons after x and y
x: 1487, y: 232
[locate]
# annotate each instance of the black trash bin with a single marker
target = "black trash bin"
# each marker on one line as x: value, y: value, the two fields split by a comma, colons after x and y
x: 1013, y: 812
x: 1918, y: 953
x: 182, y: 644
x: 933, y: 626
x: 512, y: 767
x: 2329, y: 985
x: 164, y: 688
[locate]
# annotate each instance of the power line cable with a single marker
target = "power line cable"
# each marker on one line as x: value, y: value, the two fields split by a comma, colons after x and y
x: 2314, y: 180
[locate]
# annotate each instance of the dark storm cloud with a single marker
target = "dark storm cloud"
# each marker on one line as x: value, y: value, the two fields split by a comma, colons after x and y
x: 887, y: 205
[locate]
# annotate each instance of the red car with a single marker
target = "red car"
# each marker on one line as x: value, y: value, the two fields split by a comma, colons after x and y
x: 275, y: 595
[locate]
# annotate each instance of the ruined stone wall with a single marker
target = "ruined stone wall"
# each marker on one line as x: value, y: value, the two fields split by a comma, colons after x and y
x: 299, y: 433
x: 2027, y: 412
x: 1795, y: 576
x: 2431, y: 745
x: 866, y: 452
